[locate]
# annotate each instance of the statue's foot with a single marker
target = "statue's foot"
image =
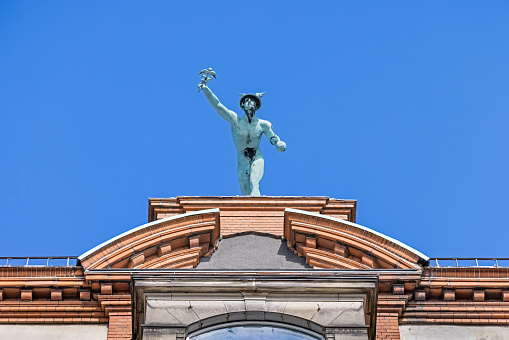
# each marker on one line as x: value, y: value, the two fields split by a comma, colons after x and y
x: 255, y: 192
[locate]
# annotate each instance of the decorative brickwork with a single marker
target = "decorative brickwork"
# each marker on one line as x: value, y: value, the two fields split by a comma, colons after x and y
x: 330, y: 243
x: 457, y: 313
x: 244, y: 213
x: 175, y: 242
x: 52, y: 312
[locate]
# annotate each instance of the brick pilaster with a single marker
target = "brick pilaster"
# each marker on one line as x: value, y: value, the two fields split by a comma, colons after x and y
x: 387, y: 326
x: 120, y: 326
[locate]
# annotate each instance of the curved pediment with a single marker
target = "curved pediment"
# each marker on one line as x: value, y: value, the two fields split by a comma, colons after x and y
x: 172, y: 242
x: 183, y: 240
x: 331, y: 243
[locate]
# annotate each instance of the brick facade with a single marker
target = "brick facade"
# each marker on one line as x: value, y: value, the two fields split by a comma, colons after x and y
x: 181, y: 231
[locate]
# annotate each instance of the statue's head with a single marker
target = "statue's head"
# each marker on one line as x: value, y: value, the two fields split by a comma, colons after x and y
x: 250, y: 102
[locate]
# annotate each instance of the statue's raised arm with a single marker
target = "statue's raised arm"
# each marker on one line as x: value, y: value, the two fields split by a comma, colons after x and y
x: 227, y: 115
x: 207, y: 75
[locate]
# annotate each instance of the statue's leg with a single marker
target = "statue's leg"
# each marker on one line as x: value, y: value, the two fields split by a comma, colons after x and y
x: 256, y: 176
x: 243, y: 172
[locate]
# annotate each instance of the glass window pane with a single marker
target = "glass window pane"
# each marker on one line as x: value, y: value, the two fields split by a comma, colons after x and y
x: 255, y: 332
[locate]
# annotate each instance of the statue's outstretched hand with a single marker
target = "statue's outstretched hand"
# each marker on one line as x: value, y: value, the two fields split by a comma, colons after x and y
x: 206, y: 76
x: 281, y: 146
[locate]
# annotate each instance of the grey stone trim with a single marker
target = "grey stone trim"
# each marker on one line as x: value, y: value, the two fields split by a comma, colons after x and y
x: 163, y: 332
x: 351, y: 333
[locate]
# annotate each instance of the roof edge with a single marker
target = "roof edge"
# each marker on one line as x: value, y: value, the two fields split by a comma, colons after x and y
x: 192, y: 213
x: 399, y: 243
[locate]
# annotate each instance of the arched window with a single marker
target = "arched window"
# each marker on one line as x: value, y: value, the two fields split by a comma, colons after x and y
x: 254, y: 331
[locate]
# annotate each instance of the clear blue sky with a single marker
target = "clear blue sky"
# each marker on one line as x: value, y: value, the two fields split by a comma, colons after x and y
x: 402, y: 105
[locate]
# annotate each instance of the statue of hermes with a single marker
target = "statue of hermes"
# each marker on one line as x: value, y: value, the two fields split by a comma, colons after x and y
x: 247, y: 133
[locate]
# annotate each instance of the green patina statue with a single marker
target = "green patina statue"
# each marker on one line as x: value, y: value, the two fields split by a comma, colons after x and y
x: 247, y: 133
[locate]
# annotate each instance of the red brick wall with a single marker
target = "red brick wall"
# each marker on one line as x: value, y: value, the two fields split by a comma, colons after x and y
x: 387, y: 326
x: 120, y: 326
x: 269, y: 222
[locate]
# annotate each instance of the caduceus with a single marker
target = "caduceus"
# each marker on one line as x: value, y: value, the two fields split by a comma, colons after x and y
x: 206, y: 76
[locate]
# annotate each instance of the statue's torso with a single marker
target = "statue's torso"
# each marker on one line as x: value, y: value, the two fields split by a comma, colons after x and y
x: 245, y: 134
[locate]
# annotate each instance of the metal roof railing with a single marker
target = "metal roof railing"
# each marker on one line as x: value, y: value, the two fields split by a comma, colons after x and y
x: 39, y: 261
x: 71, y: 261
x: 486, y: 262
